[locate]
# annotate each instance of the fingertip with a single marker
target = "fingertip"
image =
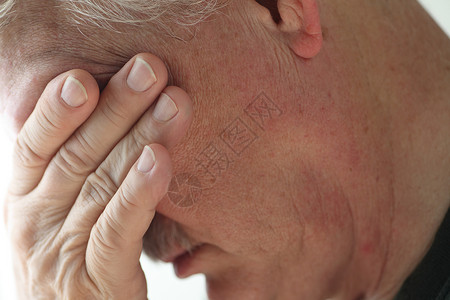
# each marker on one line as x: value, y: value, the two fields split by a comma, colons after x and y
x: 79, y: 87
x: 146, y: 161
x: 157, y: 65
x: 171, y: 132
x: 154, y: 67
x: 182, y: 100
x: 70, y: 98
x: 162, y: 157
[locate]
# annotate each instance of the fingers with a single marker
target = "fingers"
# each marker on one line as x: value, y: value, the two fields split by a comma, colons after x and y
x: 115, y: 243
x: 150, y: 129
x: 127, y: 96
x: 65, y: 104
x: 103, y: 183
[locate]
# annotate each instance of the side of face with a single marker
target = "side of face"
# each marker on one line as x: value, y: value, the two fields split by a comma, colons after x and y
x: 275, y: 149
x: 266, y: 153
x: 278, y: 147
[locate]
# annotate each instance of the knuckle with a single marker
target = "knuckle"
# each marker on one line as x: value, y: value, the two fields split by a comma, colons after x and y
x: 74, y: 159
x: 22, y: 226
x: 107, y: 238
x: 128, y: 197
x: 56, y: 270
x: 24, y: 153
x: 75, y: 284
x: 50, y: 264
x: 22, y: 236
x: 114, y: 109
x: 143, y: 134
x: 99, y: 188
x: 35, y: 261
x: 71, y: 276
x: 101, y: 245
x: 49, y: 119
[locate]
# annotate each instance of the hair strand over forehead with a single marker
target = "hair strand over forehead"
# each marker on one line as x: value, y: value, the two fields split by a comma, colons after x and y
x: 137, y: 12
x: 6, y: 9
x: 105, y: 14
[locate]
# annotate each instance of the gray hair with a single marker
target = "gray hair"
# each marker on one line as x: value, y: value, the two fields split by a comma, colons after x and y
x: 107, y: 14
x: 6, y: 9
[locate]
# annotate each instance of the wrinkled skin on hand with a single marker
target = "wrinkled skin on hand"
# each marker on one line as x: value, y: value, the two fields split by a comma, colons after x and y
x: 81, y: 199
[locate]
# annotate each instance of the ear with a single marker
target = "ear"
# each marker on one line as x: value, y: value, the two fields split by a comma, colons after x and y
x: 299, y: 21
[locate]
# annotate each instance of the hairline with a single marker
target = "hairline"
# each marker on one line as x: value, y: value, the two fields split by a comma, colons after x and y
x: 116, y: 13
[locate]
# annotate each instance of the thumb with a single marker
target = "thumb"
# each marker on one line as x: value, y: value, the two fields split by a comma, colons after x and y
x: 115, y: 243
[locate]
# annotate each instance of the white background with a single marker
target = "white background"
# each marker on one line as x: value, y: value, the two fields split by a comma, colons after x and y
x: 163, y: 285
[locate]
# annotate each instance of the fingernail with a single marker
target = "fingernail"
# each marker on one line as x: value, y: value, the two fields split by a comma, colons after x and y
x: 165, y: 109
x: 73, y: 92
x: 141, y: 76
x: 147, y: 160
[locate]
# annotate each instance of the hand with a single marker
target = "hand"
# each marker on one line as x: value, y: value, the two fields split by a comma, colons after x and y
x: 80, y: 200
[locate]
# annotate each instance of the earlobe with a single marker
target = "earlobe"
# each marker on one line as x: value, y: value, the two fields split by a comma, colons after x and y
x: 300, y: 21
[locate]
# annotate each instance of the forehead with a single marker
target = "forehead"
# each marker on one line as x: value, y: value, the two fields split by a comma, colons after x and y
x: 39, y: 32
x: 42, y: 41
x: 34, y: 50
x: 36, y: 46
x: 45, y: 36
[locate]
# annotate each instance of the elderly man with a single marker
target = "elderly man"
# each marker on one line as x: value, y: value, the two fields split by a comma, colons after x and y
x: 317, y: 165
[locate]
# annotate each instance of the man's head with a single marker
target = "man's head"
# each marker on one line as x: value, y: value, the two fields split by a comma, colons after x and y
x: 285, y: 177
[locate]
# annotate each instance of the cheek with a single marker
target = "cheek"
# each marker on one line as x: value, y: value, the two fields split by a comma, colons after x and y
x: 277, y: 229
x: 246, y: 211
x: 243, y: 212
